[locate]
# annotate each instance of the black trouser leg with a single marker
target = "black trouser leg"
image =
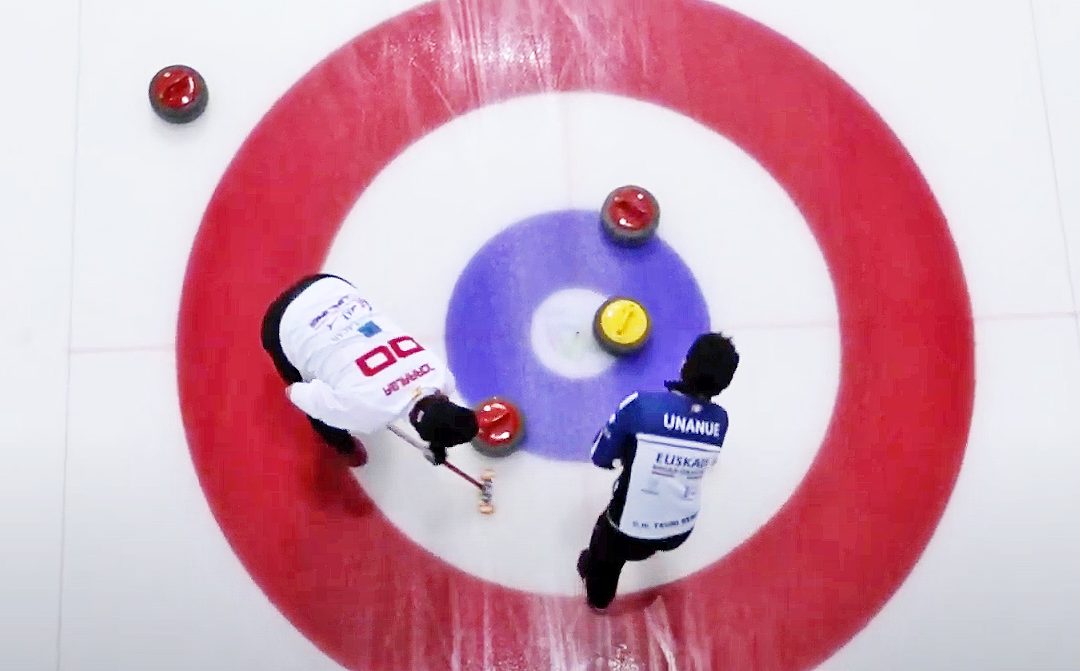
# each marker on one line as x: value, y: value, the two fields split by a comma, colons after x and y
x: 339, y: 439
x: 609, y: 550
x: 604, y: 560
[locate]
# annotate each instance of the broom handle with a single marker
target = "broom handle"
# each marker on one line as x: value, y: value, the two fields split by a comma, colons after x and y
x: 410, y: 440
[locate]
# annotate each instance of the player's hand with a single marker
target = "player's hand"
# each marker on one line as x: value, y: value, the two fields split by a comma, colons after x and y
x: 436, y: 454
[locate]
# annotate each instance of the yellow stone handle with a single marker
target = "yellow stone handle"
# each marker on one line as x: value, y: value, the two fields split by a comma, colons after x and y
x: 625, y: 320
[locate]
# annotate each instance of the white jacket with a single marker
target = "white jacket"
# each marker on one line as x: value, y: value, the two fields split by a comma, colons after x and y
x: 361, y: 371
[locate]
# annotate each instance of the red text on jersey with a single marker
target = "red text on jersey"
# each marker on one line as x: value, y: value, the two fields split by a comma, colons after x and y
x: 407, y: 378
x: 384, y: 356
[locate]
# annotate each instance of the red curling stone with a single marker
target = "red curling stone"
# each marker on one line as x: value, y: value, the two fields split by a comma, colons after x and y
x: 178, y: 94
x: 630, y: 215
x: 502, y: 427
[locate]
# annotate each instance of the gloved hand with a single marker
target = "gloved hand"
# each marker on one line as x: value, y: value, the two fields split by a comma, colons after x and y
x: 436, y: 454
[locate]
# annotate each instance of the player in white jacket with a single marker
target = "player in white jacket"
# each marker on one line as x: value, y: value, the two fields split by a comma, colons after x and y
x: 353, y: 371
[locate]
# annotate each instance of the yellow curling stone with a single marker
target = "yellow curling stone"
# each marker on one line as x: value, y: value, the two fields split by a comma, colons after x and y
x: 622, y: 325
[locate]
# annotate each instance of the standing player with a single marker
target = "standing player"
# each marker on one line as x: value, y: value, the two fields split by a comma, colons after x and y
x: 664, y: 442
x: 353, y: 371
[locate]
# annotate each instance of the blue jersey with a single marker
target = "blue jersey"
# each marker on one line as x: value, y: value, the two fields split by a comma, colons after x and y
x: 665, y: 441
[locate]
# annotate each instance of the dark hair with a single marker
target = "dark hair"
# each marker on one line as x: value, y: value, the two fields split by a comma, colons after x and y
x: 709, y: 367
x: 442, y: 422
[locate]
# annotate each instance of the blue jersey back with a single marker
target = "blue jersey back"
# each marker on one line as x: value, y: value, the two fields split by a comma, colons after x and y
x: 665, y: 413
x: 681, y: 437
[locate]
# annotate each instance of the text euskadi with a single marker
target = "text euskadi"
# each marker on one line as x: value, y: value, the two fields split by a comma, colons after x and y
x: 689, y: 462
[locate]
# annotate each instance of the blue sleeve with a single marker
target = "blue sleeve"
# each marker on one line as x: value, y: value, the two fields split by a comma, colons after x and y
x: 611, y: 441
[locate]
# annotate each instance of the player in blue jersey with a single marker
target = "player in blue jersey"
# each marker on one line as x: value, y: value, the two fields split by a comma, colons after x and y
x: 664, y: 442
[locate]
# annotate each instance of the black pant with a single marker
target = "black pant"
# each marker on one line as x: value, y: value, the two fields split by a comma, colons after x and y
x: 609, y: 550
x: 339, y: 439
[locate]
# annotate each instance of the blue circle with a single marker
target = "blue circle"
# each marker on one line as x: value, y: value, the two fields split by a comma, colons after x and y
x: 489, y: 321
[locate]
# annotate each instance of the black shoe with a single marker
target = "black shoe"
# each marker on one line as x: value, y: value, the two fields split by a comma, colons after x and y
x: 582, y: 563
x: 358, y: 456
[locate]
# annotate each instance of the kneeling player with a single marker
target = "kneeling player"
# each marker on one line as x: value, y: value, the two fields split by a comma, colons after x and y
x: 353, y: 371
x: 665, y: 441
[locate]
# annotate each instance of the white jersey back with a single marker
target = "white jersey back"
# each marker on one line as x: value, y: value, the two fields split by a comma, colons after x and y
x: 361, y: 371
x: 664, y: 493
